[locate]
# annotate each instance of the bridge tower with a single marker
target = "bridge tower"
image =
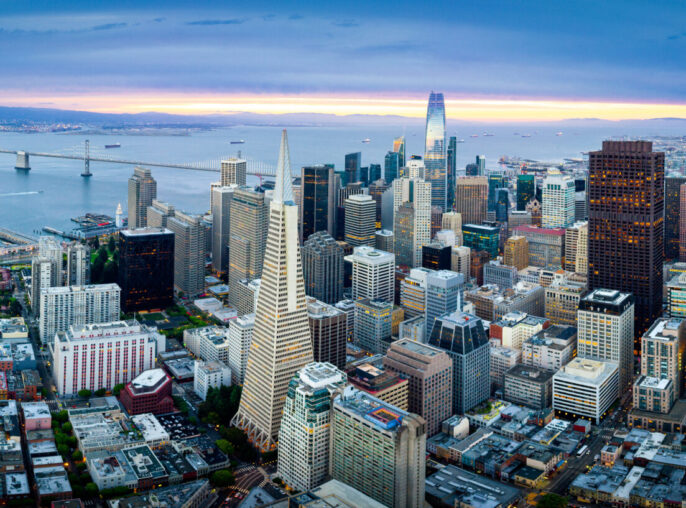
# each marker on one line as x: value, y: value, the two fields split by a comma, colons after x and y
x: 87, y: 161
x: 22, y: 161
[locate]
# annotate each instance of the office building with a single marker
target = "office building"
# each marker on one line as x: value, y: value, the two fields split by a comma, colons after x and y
x: 415, y: 168
x: 319, y: 199
x: 233, y: 171
x: 491, y: 303
x: 516, y: 252
x: 393, y: 473
x: 391, y: 166
x: 463, y: 337
x: 436, y: 220
x: 413, y: 292
x: 562, y: 299
x: 503, y: 276
x: 404, y: 241
x: 221, y: 226
x: 146, y: 269
x: 384, y: 240
x: 43, y: 276
x: 78, y: 265
x: 372, y: 325
x: 682, y: 224
x: 377, y: 188
x: 240, y: 337
x: 329, y: 331
x: 535, y: 211
x: 436, y: 256
x: 481, y: 164
x: 451, y: 169
x: 676, y: 296
x: 516, y: 218
x: 526, y: 190
x: 585, y: 389
x: 306, y: 426
x: 281, y: 342
x: 208, y: 375
x: 399, y: 148
x: 95, y: 356
x: 482, y: 237
x: 502, y: 359
x: 149, y: 392
x: 460, y: 261
x: 443, y: 295
x: 514, y: 328
x: 412, y: 224
x: 471, y: 198
x: 496, y: 181
x: 528, y: 386
x: 550, y: 348
x: 372, y: 274
x: 323, y: 267
x: 353, y: 164
x: 626, y: 187
x: 360, y: 220
x: 159, y: 213
x: 576, y: 248
x: 434, y: 150
x: 605, y: 325
x: 368, y: 375
x: 142, y: 190
x: 453, y: 222
x: 672, y: 214
x: 429, y: 372
x: 63, y: 307
x: 208, y: 343
x: 546, y: 246
x: 558, y: 201
x: 189, y: 253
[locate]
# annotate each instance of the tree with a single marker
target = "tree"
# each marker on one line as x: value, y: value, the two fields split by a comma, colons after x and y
x: 84, y: 394
x: 551, y: 500
x: 60, y: 416
x: 96, y: 243
x: 117, y: 389
x: 91, y: 489
x: 67, y: 427
x: 77, y: 455
x: 111, y: 245
x: 225, y: 446
x: 110, y: 272
x: 63, y: 450
x: 97, y: 269
x: 270, y: 456
x: 222, y: 478
x: 100, y: 393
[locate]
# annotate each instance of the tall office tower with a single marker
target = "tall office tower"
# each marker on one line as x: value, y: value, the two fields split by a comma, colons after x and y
x: 436, y: 220
x: 391, y: 166
x: 373, y: 274
x: 146, y: 269
x: 362, y: 423
x: 189, y: 253
x: 463, y: 337
x: 159, y: 213
x: 443, y: 295
x: 580, y: 206
x: 84, y: 360
x: 558, y: 201
x: 323, y: 267
x: 353, y: 163
x: 481, y: 164
x: 672, y: 213
x: 319, y: 195
x: 495, y: 181
x: 453, y: 222
x: 221, y: 226
x: 526, y: 189
x: 435, y: 255
x: 374, y: 172
x: 372, y: 325
x: 62, y: 307
x: 562, y: 299
x: 248, y: 238
x: 482, y: 237
x: 478, y: 259
x: 451, y: 177
x: 502, y: 205
x: 471, y: 198
x: 142, y: 190
x: 399, y: 148
x: 404, y: 235
x: 429, y: 372
x: 606, y: 331
x: 516, y: 252
x: 281, y: 341
x: 413, y: 292
x: 534, y: 209
x: 471, y: 169
x: 418, y: 227
x: 434, y: 149
x: 376, y: 191
x: 360, y: 220
x: 682, y: 223
x: 240, y: 337
x: 78, y: 265
x: 233, y: 172
x: 384, y: 240
x: 306, y: 425
x: 625, y: 225
x: 576, y: 248
x: 676, y: 296
x: 329, y: 330
x: 460, y: 261
x: 415, y: 168
x: 42, y: 278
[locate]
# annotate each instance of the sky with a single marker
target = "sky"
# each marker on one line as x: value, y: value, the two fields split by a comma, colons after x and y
x: 493, y: 59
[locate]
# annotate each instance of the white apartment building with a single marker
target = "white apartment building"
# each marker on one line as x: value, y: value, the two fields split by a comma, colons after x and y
x: 77, y: 305
x: 373, y: 274
x: 240, y: 338
x: 558, y: 201
x: 210, y: 375
x: 515, y: 327
x: 209, y: 343
x: 94, y: 356
x: 551, y: 348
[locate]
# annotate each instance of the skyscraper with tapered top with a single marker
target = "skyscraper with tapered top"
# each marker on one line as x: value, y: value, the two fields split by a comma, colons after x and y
x: 434, y: 150
x: 281, y: 339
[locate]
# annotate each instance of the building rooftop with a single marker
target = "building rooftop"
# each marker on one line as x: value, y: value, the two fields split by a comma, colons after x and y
x: 35, y: 410
x: 363, y: 405
x: 16, y: 484
x: 174, y: 496
x: 585, y: 370
x: 530, y: 373
x: 453, y: 485
x: 181, y: 368
x: 148, y: 381
x: 147, y: 231
x: 150, y: 427
x: 51, y: 480
x: 13, y: 326
x: 370, y: 255
x: 143, y: 462
x: 320, y: 374
x: 317, y: 309
x: 543, y: 231
x: 665, y: 328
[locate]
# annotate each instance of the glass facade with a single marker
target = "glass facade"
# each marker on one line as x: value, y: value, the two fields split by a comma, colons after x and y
x: 478, y: 237
x: 391, y: 166
x: 452, y: 173
x: 315, y: 200
x: 495, y: 181
x: 526, y: 187
x: 353, y: 165
x: 399, y: 148
x: 434, y: 150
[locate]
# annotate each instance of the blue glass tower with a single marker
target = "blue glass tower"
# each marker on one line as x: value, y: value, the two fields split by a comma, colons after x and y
x: 434, y: 150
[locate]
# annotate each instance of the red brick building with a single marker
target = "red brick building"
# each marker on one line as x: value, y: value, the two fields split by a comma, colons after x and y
x: 150, y: 392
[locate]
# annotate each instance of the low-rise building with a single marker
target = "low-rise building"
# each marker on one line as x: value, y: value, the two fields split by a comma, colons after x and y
x: 149, y: 392
x: 502, y: 360
x: 551, y: 348
x: 528, y: 386
x: 36, y: 416
x: 514, y: 328
x: 210, y: 375
x: 208, y: 343
x: 153, y: 432
x: 453, y: 486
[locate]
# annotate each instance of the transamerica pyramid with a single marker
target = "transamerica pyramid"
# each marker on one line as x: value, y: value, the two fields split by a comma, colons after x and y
x: 281, y: 343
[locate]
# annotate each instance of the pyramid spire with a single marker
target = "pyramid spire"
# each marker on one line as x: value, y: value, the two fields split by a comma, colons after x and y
x: 283, y: 192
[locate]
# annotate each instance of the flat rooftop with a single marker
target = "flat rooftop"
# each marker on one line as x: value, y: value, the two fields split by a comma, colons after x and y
x: 417, y: 347
x: 35, y: 410
x: 585, y: 370
x: 452, y: 483
x: 371, y: 409
x: 320, y: 374
x: 148, y: 381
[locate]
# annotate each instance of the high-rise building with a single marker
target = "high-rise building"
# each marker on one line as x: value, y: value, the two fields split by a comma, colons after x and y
x: 443, y: 295
x: 451, y: 165
x: 208, y: 343
x: 471, y: 169
x: 372, y: 274
x: 526, y: 189
x: 233, y: 172
x: 453, y: 222
x: 323, y: 267
x: 146, y: 269
x: 158, y: 214
x: 248, y: 239
x: 384, y: 240
x: 372, y: 325
x: 514, y: 328
x: 306, y: 426
x: 481, y: 164
x: 378, y: 449
x: 434, y: 149
x: 436, y: 256
x: 391, y: 166
x: 672, y: 213
x: 417, y: 232
x: 576, y: 248
x: 83, y: 358
x: 399, y: 148
x: 281, y: 340
x: 463, y: 337
x: 528, y: 386
x: 189, y: 252
x: 516, y: 252
x: 682, y: 223
x: 625, y: 224
x: 360, y: 220
x: 551, y: 348
x: 319, y: 194
x: 558, y: 201
x: 240, y: 337
x: 606, y: 331
x: 460, y: 261
x: 546, y: 245
x: 436, y: 220
x: 368, y: 375
x: 562, y: 299
x: 516, y: 218
x: 353, y: 164
x: 142, y: 190
x: 329, y: 330
x: 502, y: 275
x: 502, y: 205
x: 429, y: 372
x: 221, y: 226
x: 376, y: 190
x: 482, y: 237
x: 404, y: 235
x: 43, y: 274
x: 413, y: 292
x: 676, y: 296
x: 471, y: 198
x: 496, y: 181
x: 78, y: 265
x: 374, y: 172
x: 62, y: 307
x: 535, y: 211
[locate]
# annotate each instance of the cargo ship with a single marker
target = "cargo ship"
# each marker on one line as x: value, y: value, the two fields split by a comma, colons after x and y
x: 113, y: 145
x: 238, y: 142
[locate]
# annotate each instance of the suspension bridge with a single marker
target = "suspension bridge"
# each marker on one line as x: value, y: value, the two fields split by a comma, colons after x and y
x: 253, y: 167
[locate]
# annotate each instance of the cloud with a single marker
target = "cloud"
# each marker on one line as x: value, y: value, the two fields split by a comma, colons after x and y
x: 108, y: 26
x: 346, y: 23
x: 211, y: 22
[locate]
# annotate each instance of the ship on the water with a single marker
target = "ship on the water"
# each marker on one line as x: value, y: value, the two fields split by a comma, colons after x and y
x: 113, y: 145
x: 238, y: 142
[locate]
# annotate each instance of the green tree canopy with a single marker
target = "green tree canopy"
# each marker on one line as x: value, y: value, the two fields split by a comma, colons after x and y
x: 222, y: 478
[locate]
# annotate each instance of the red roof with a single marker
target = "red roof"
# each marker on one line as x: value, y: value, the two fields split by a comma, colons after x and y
x: 543, y: 231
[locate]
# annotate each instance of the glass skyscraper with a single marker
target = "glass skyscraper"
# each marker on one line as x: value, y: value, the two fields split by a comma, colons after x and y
x: 451, y: 165
x: 434, y: 150
x: 391, y: 166
x: 399, y: 148
x: 526, y: 188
